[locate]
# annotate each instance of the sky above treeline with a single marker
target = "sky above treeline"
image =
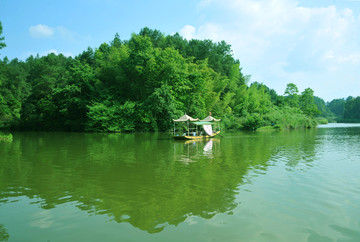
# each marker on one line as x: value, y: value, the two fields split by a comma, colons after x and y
x: 310, y: 43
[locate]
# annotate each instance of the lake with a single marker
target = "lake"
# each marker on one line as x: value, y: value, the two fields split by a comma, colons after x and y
x: 299, y: 185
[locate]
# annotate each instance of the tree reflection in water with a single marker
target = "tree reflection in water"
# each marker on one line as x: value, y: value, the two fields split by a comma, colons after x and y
x: 4, y: 236
x: 143, y: 179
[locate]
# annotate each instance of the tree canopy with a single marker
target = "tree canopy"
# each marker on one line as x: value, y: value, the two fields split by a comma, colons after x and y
x: 141, y: 84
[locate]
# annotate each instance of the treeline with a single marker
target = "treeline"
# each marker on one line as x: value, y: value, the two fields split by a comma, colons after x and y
x: 341, y: 110
x: 141, y: 84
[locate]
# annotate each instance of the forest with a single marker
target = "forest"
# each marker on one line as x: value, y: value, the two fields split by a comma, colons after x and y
x: 141, y: 84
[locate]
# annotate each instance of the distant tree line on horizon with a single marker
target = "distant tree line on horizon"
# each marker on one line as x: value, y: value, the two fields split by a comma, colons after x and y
x: 340, y: 110
x: 141, y: 84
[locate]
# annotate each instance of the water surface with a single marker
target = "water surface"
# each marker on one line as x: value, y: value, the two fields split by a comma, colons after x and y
x: 252, y: 186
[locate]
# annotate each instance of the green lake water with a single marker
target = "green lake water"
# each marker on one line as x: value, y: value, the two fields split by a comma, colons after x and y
x: 299, y: 185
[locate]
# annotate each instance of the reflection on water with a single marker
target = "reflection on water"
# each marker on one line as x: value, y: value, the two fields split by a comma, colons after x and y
x: 194, y: 150
x: 338, y: 125
x: 4, y: 236
x: 208, y: 148
x: 254, y: 186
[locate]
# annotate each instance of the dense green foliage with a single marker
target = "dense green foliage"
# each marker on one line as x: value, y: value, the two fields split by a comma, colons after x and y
x: 142, y: 84
x: 352, y: 110
x: 325, y: 114
x: 340, y: 110
x: 337, y: 107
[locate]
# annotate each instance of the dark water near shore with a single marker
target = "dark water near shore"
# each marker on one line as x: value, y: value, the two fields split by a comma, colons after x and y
x: 259, y: 186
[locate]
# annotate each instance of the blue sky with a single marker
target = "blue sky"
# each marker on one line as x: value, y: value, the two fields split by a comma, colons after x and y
x: 313, y: 44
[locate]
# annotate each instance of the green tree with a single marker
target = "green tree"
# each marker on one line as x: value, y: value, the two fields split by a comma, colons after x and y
x: 161, y: 108
x: 172, y: 70
x: 112, y: 117
x: 139, y: 67
x: 337, y: 106
x: 219, y: 55
x: 110, y: 71
x: 141, y: 84
x: 324, y: 109
x: 254, y: 100
x: 352, y: 109
x: 292, y: 95
x: 45, y: 74
x: 87, y: 56
x: 291, y: 89
x: 253, y: 121
x: 116, y: 42
x: 2, y: 38
x: 156, y: 37
x: 70, y: 99
x: 13, y: 90
x: 177, y: 42
x: 307, y: 104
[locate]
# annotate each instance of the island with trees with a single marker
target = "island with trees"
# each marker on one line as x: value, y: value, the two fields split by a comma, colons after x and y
x: 141, y: 84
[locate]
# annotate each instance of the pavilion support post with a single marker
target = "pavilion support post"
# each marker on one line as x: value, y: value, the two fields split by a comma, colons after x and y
x: 188, y: 131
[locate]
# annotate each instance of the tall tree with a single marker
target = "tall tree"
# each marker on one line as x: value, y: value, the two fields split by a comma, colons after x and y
x: 139, y: 66
x: 116, y: 42
x: 177, y: 42
x: 72, y: 97
x: 292, y: 95
x: 110, y: 70
x: 291, y: 89
x: 157, y: 38
x: 307, y: 104
x: 13, y: 90
x: 87, y: 56
x: 45, y: 75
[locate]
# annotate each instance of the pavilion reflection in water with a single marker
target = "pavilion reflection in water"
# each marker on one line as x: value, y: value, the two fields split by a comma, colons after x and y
x: 195, y: 150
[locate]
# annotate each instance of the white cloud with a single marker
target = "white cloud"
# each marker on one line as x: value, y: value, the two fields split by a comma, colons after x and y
x: 41, y: 31
x: 188, y: 32
x: 207, y: 31
x: 280, y: 41
x: 44, y: 31
x: 43, y: 219
x: 211, y: 31
x: 354, y: 58
x: 58, y: 35
x: 67, y: 54
x: 66, y: 34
